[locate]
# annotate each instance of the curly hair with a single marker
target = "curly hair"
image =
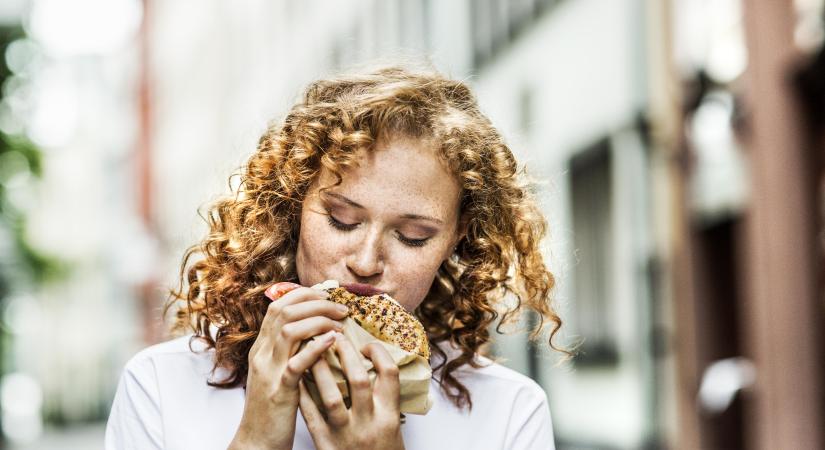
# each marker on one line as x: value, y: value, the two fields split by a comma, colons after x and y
x: 254, y: 232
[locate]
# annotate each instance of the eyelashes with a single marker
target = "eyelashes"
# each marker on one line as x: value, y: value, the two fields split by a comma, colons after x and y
x: 412, y: 242
x: 341, y: 226
x: 338, y: 225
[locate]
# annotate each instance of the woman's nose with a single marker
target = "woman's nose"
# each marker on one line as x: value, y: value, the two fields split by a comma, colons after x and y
x: 367, y: 259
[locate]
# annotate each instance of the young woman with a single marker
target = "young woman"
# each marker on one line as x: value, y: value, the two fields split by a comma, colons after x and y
x: 391, y: 179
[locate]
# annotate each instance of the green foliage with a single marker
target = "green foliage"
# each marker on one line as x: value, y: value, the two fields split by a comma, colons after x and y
x: 24, y: 260
x: 19, y: 157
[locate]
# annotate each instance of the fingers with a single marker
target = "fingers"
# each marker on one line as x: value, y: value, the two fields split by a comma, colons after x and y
x: 358, y: 380
x: 304, y: 359
x: 300, y: 294
x: 273, y: 321
x: 331, y: 397
x: 309, y: 308
x: 279, y: 289
x: 289, y: 338
x: 387, y: 387
x: 312, y: 416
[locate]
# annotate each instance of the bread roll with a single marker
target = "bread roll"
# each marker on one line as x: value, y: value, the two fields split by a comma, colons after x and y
x: 383, y: 317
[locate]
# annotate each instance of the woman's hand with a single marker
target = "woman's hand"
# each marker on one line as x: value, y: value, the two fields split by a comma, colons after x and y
x: 373, y: 420
x: 275, y: 365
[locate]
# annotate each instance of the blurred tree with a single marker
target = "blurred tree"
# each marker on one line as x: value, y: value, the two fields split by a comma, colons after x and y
x: 22, y: 267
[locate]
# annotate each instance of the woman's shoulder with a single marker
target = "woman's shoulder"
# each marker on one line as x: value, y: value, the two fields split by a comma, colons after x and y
x: 493, y: 376
x: 509, y: 410
x: 163, y: 395
x: 179, y: 345
x: 184, y: 352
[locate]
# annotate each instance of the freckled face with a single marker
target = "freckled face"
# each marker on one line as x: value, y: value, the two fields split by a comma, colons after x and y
x: 391, y: 222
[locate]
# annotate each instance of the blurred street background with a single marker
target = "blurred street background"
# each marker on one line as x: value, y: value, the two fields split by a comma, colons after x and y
x: 677, y: 144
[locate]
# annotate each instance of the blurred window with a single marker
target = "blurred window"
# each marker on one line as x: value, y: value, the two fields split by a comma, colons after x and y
x: 495, y: 24
x: 591, y: 203
x: 526, y: 110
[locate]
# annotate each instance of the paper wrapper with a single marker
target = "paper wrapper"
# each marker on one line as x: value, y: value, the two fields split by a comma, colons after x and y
x: 414, y: 371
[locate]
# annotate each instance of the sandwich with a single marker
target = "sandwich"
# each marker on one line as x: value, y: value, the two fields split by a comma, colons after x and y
x: 381, y: 316
x: 375, y: 316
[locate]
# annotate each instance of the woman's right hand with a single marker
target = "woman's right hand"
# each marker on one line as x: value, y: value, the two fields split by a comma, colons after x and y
x: 272, y: 394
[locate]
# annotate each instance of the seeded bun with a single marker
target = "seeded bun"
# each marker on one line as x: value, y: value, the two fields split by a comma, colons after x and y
x: 383, y: 317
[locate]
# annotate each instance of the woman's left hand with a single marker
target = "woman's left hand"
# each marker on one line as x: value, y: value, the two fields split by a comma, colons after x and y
x: 373, y: 420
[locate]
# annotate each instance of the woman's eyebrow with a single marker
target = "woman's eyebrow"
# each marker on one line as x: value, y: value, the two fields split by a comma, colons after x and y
x: 420, y: 217
x: 404, y: 216
x: 344, y: 199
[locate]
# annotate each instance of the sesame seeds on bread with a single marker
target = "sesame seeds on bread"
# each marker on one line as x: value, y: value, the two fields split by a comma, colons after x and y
x: 384, y: 318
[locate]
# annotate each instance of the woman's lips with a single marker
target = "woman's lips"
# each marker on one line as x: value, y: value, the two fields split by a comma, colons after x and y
x: 362, y: 289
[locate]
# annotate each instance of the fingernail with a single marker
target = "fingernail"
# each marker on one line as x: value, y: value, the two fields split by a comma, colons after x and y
x: 329, y: 336
x: 339, y: 336
x: 341, y: 307
x: 279, y: 289
x: 339, y: 326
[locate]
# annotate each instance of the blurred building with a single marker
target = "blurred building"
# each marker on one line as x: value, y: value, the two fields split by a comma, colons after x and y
x: 643, y: 120
x: 747, y: 249
x: 566, y: 82
x: 676, y: 148
x: 68, y: 92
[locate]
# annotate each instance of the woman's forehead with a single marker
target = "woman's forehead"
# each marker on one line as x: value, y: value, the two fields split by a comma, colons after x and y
x: 400, y: 174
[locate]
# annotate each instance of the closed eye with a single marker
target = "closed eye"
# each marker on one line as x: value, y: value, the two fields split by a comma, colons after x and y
x: 412, y: 242
x: 341, y: 226
x: 338, y: 225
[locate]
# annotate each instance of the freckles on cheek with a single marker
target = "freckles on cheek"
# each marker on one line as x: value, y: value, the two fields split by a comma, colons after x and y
x: 310, y: 253
x: 418, y: 278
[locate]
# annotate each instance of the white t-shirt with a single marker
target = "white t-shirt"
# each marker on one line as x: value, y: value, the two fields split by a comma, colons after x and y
x: 163, y: 402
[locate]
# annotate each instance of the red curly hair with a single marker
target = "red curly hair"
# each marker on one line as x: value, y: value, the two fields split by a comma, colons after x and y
x: 254, y: 233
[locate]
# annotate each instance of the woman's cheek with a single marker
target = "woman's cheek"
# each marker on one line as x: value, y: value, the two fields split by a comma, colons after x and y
x: 319, y: 248
x: 419, y: 276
